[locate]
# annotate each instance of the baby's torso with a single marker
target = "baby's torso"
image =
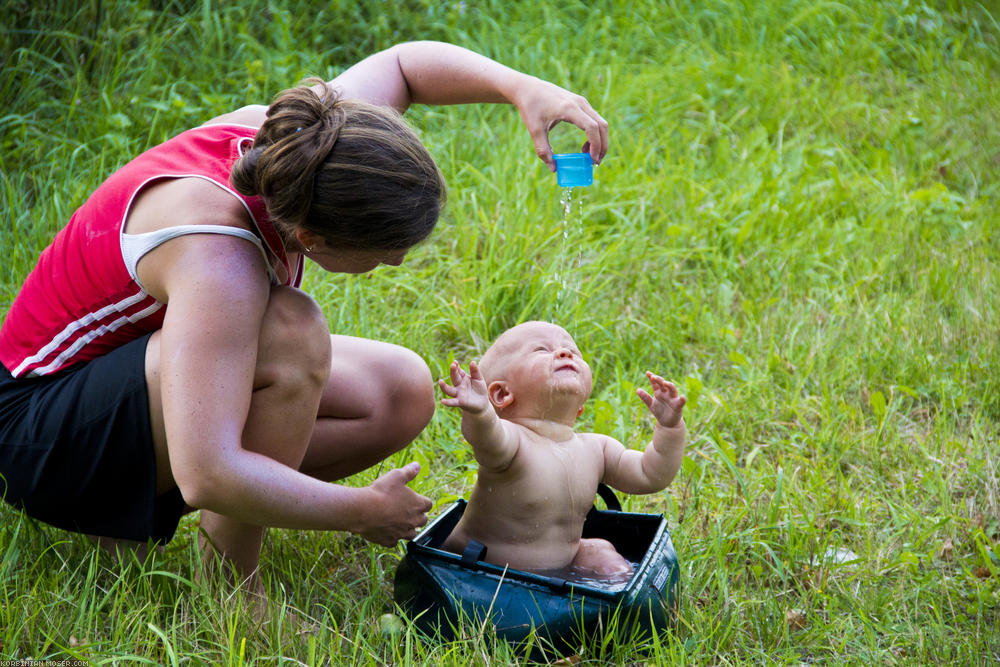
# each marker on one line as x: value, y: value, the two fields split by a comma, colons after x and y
x: 531, y: 515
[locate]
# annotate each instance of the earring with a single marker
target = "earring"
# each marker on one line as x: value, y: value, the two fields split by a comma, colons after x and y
x: 309, y: 249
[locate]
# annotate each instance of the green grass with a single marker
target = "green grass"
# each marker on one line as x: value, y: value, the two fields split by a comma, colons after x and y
x: 796, y: 221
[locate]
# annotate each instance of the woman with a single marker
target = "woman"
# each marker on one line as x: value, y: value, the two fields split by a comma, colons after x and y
x: 160, y: 359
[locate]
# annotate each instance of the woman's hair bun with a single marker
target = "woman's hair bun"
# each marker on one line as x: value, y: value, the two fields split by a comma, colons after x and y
x: 244, y: 172
x: 352, y: 172
x: 299, y: 132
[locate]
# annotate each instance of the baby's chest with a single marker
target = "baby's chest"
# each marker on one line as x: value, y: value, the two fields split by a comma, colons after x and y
x: 553, y: 480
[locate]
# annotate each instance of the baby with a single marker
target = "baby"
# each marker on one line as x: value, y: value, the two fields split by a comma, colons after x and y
x: 537, y: 476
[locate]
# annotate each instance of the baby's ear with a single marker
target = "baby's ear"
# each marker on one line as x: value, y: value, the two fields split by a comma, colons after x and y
x: 499, y: 394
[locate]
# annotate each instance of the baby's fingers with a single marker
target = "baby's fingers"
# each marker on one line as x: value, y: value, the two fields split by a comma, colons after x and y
x: 670, y: 389
x: 659, y: 384
x: 655, y: 379
x: 457, y: 374
x: 645, y: 397
x: 447, y: 388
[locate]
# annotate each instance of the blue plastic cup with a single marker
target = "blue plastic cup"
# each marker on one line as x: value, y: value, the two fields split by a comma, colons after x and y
x: 574, y: 169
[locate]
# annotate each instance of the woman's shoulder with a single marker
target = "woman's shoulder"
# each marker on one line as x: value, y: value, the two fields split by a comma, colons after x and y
x: 193, y: 201
x: 253, y: 115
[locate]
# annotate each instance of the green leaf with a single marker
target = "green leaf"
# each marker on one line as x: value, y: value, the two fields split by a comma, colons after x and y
x: 877, y: 403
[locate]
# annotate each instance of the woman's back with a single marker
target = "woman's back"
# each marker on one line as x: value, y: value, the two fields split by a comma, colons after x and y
x: 83, y: 298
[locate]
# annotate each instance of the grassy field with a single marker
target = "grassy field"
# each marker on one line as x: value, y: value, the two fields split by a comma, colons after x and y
x: 797, y: 222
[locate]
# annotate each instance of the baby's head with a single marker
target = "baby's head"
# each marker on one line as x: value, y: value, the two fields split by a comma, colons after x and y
x: 536, y: 367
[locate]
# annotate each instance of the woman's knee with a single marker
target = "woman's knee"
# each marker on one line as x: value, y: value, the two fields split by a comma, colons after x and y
x: 294, y: 345
x: 412, y: 390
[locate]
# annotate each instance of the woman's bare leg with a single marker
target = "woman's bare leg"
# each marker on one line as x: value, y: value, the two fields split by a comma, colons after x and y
x: 293, y: 364
x: 354, y: 401
x: 378, y: 398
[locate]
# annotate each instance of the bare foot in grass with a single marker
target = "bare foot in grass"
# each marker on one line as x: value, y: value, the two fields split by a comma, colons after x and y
x: 264, y: 614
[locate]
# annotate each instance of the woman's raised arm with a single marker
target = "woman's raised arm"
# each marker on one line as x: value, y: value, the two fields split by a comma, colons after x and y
x: 440, y: 73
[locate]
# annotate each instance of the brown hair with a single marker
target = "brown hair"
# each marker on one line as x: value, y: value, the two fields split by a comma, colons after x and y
x: 351, y: 172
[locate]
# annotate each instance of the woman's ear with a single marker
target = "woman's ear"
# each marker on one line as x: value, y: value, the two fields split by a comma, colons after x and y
x: 307, y: 239
x: 499, y: 394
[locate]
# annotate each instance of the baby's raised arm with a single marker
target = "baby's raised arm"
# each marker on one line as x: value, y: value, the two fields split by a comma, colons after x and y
x: 493, y: 442
x: 651, y: 470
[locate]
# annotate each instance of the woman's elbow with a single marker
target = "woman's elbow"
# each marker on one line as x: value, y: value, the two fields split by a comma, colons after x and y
x: 199, y: 488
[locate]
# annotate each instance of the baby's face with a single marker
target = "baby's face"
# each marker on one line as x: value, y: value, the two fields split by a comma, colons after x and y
x: 543, y: 358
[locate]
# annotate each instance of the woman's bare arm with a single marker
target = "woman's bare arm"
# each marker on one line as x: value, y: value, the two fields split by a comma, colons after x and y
x: 217, y: 294
x: 439, y: 73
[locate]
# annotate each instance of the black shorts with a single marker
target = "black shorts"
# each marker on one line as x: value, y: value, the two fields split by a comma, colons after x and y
x: 76, y: 449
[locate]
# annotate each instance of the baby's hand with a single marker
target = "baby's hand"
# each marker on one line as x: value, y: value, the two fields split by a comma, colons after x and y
x: 469, y: 392
x: 666, y: 403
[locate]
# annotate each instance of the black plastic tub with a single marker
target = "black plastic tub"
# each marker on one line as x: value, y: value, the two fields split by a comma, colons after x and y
x: 439, y: 589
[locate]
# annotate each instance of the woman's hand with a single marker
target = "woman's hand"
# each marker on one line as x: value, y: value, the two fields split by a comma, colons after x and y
x: 544, y: 105
x: 396, y: 509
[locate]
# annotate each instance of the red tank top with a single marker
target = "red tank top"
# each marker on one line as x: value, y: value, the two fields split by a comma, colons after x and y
x: 81, y: 301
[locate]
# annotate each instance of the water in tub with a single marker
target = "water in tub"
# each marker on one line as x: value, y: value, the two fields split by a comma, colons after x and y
x: 611, y: 583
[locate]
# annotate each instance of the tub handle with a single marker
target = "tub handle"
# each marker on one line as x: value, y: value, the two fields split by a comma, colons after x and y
x: 609, y: 497
x: 474, y: 551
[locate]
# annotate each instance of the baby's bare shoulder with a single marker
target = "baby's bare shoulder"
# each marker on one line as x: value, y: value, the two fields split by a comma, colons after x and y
x: 596, y: 440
